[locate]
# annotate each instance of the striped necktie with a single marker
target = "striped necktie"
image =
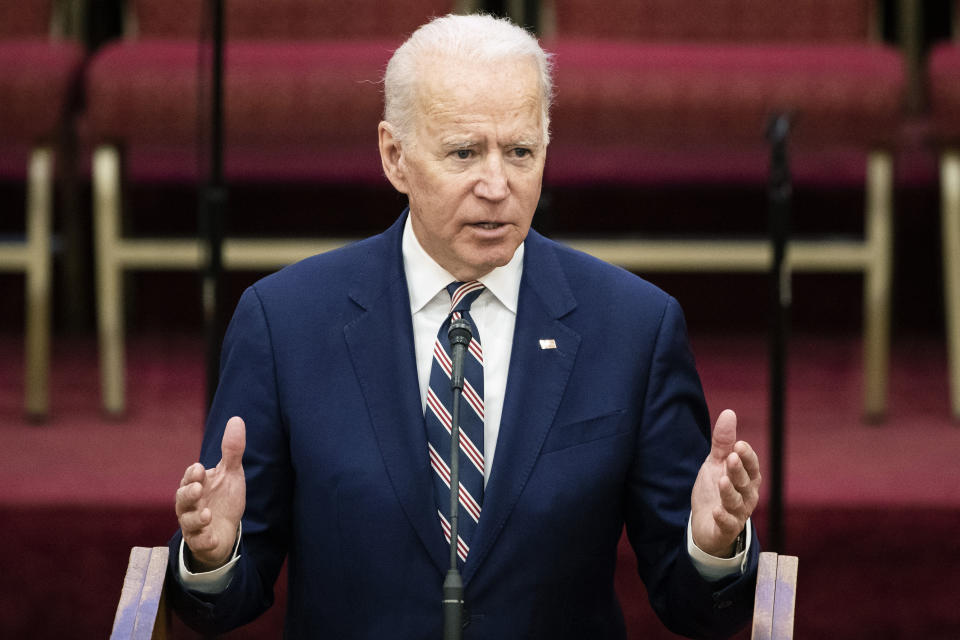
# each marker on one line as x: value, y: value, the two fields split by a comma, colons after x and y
x: 437, y: 418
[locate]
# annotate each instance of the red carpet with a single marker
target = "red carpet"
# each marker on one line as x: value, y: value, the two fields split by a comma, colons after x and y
x: 873, y: 511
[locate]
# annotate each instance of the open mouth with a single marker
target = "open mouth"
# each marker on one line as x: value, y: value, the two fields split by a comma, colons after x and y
x: 488, y: 225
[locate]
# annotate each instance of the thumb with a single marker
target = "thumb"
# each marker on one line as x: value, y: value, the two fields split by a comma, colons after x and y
x: 233, y: 444
x: 724, y: 435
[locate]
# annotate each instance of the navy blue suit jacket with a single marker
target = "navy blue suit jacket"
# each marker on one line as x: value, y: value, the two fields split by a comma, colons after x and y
x: 607, y: 429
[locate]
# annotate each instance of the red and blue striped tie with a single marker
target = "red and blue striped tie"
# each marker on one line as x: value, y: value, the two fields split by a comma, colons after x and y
x: 438, y: 421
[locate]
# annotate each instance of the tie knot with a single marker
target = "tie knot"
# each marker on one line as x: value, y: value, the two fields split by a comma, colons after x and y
x: 462, y: 294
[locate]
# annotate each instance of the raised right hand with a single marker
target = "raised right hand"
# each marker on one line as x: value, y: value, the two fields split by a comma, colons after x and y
x: 210, y: 502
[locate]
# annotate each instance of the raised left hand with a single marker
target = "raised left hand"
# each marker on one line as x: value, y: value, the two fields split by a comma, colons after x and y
x: 726, y: 491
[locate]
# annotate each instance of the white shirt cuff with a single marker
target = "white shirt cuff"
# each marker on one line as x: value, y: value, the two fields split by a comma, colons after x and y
x: 210, y: 582
x: 712, y: 568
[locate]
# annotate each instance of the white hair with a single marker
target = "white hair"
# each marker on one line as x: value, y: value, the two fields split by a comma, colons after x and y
x: 478, y: 38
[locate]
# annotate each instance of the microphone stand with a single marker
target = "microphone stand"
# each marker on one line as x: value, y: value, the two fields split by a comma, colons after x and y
x: 779, y: 193
x: 212, y: 207
x: 460, y: 335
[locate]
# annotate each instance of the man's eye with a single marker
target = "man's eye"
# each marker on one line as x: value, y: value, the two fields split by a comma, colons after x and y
x: 521, y: 152
x: 463, y: 154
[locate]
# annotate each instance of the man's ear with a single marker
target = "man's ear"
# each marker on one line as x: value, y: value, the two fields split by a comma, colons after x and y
x: 391, y: 157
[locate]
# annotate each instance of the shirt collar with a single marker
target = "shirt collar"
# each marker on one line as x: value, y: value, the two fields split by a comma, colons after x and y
x: 426, y: 278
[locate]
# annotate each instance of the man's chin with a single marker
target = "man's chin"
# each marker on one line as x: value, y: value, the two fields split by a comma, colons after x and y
x: 490, y: 263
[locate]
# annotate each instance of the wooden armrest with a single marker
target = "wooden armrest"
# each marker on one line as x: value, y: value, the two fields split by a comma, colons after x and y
x: 141, y: 612
x: 775, y: 597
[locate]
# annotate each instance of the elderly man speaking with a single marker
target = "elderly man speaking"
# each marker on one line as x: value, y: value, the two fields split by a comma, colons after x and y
x: 328, y: 442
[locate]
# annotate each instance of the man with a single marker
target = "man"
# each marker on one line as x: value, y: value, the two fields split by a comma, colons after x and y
x: 592, y: 413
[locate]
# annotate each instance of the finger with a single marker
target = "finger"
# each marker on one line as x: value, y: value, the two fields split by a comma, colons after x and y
x: 727, y: 523
x: 749, y: 458
x: 730, y: 498
x: 188, y: 497
x: 724, y: 435
x: 233, y: 444
x: 193, y: 522
x: 193, y: 473
x: 202, y: 541
x: 736, y: 472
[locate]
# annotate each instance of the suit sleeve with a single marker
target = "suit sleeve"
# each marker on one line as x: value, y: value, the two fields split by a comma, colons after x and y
x: 247, y: 388
x: 672, y: 443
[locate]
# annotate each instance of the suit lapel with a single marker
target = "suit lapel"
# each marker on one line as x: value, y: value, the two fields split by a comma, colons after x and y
x: 535, y: 386
x: 380, y: 342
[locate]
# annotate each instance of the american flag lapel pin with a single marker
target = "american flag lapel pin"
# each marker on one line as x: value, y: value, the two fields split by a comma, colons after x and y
x: 548, y: 343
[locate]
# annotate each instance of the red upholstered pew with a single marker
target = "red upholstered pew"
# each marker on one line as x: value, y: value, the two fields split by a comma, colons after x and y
x: 943, y: 83
x: 302, y: 99
x: 39, y: 69
x: 653, y: 92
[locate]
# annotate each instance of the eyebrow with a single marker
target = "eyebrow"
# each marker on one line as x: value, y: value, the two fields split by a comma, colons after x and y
x: 456, y: 145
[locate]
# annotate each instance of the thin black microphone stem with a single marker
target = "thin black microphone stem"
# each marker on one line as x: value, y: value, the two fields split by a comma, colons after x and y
x: 453, y: 583
x: 455, y: 478
x: 460, y: 335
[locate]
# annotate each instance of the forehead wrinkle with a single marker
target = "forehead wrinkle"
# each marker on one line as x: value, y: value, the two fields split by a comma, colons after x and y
x: 512, y: 126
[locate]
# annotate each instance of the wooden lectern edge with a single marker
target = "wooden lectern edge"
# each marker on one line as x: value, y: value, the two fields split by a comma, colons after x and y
x: 141, y: 615
x: 785, y: 597
x: 775, y: 598
x: 140, y: 612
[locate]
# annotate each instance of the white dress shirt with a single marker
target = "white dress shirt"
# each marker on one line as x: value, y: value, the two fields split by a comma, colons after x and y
x: 495, y: 314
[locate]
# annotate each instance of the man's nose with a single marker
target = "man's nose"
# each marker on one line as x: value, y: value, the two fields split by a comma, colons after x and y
x: 493, y: 184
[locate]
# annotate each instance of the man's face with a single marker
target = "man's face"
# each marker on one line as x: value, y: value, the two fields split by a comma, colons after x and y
x: 473, y: 167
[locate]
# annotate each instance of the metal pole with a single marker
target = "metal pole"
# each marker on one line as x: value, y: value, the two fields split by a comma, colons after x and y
x: 779, y: 194
x: 213, y: 200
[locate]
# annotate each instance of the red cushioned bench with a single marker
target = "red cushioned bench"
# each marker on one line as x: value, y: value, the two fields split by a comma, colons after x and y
x: 302, y: 102
x: 943, y: 83
x: 39, y: 69
x: 654, y: 92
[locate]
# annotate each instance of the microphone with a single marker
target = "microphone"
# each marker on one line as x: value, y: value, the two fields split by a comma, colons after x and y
x: 460, y: 335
